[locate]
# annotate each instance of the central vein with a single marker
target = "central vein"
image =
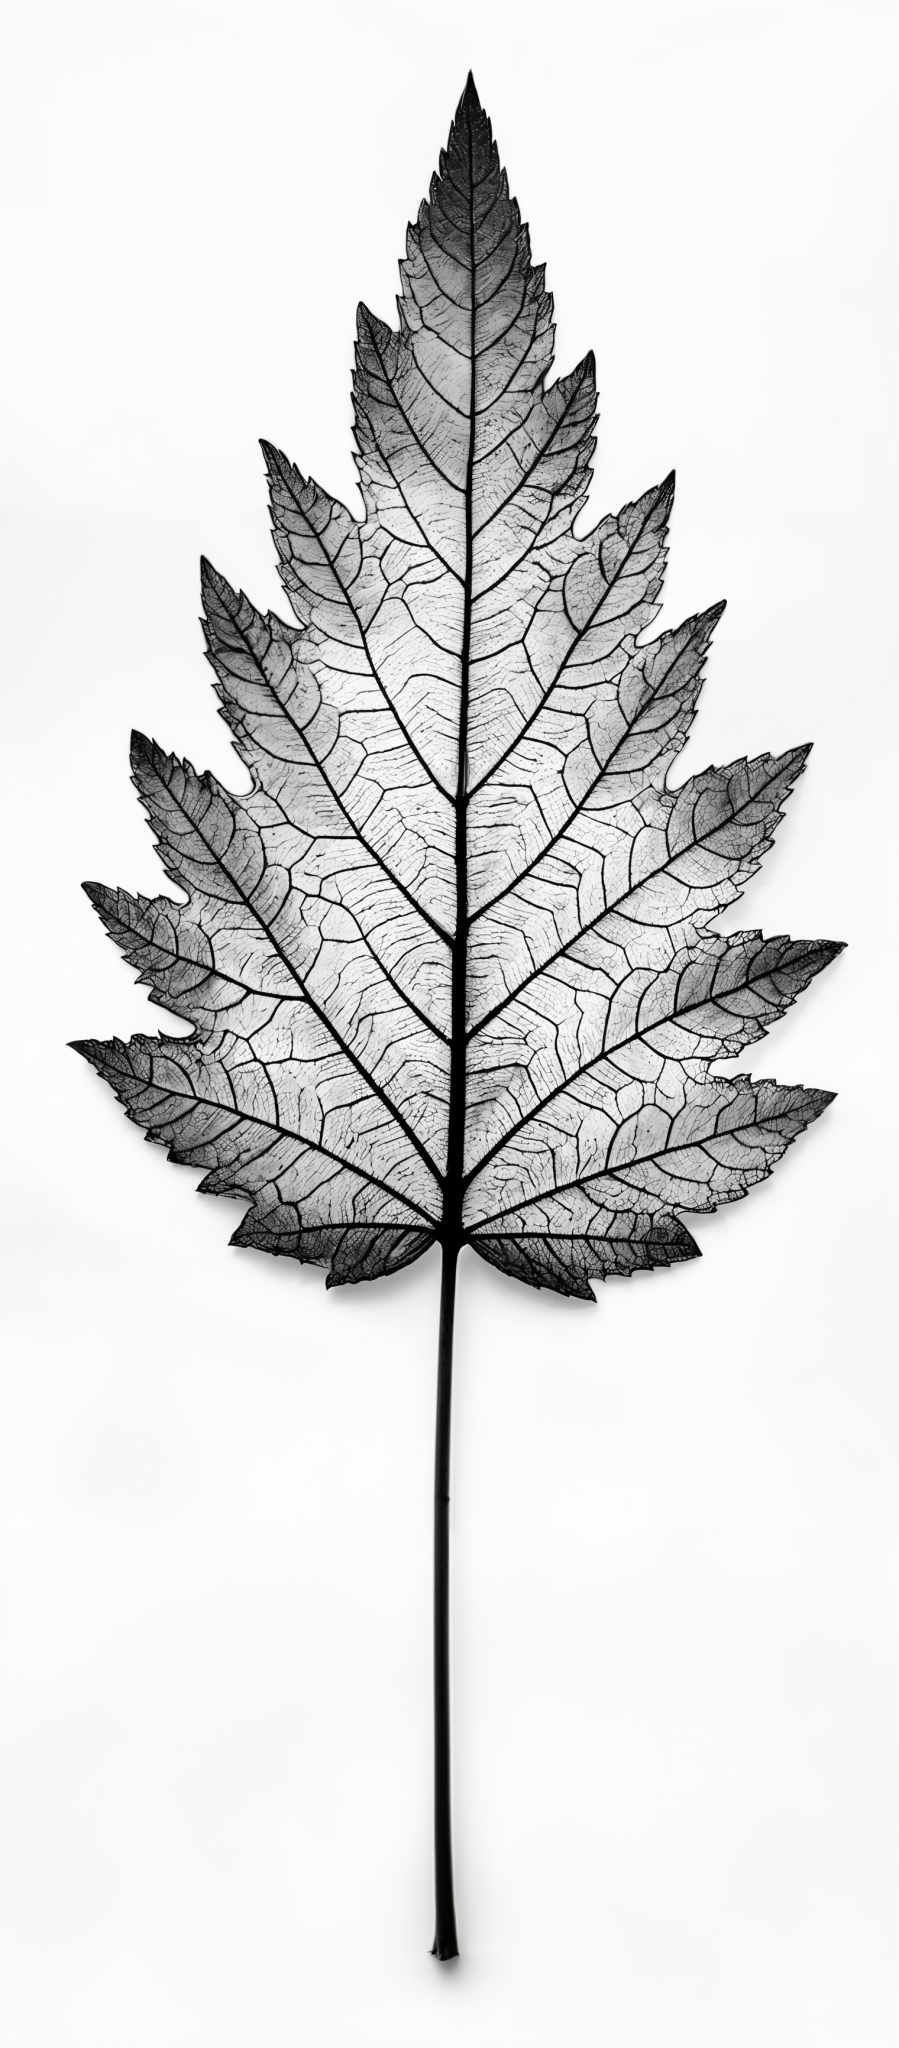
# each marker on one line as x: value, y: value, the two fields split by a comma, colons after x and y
x: 452, y: 1205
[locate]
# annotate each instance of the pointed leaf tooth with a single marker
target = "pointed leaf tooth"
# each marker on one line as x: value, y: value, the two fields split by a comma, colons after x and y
x: 148, y: 760
x: 217, y: 592
x: 228, y: 613
x: 174, y: 956
x: 318, y: 545
x: 569, y: 1264
x: 658, y: 695
x: 99, y: 894
x: 274, y: 460
x: 729, y: 996
x: 193, y: 821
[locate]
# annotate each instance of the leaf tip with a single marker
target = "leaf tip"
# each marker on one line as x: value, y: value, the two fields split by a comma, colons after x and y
x: 810, y: 1103
x: 788, y: 766
x: 278, y: 469
x: 217, y: 595
x: 86, y: 1048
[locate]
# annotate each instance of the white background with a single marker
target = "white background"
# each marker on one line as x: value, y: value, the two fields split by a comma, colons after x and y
x: 673, y: 1523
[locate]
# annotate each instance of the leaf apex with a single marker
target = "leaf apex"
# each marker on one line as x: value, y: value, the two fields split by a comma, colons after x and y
x: 276, y: 463
x: 210, y: 577
x: 814, y: 1102
x: 86, y: 1048
x: 371, y: 325
x: 790, y: 762
x: 810, y: 1102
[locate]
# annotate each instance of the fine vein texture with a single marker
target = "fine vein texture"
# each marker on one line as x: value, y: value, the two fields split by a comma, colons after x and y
x: 453, y: 964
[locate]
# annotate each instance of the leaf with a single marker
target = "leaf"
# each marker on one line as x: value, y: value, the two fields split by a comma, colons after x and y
x: 451, y: 964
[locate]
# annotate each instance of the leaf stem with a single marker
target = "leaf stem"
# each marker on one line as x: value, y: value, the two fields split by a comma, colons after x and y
x: 445, y: 1943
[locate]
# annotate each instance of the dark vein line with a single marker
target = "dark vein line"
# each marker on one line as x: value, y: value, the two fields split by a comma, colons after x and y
x: 437, y: 282
x: 212, y: 967
x: 562, y: 1236
x: 642, y: 1034
x: 621, y: 1173
x: 460, y: 410
x: 582, y: 802
x: 452, y: 1209
x: 416, y: 437
x: 538, y: 458
x: 318, y: 765
x: 349, y: 1054
x: 580, y: 635
x: 266, y: 1123
x: 345, y: 591
x: 407, y: 507
x: 632, y: 890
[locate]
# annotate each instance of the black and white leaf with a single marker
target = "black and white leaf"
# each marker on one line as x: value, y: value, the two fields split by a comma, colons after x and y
x: 453, y: 964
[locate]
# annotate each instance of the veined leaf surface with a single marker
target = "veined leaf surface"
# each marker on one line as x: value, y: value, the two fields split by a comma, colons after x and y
x: 454, y: 966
